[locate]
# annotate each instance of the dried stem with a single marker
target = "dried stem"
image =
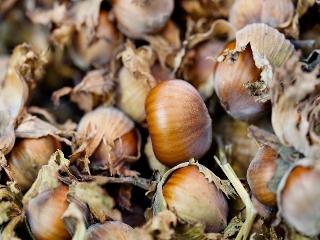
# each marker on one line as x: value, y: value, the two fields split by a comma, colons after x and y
x: 143, y: 183
x: 250, y: 210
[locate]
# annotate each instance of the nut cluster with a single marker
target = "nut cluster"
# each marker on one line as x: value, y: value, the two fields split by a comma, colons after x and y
x: 159, y: 119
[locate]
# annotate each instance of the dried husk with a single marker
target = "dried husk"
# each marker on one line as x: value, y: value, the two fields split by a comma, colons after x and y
x: 135, y: 80
x: 204, y: 45
x: 302, y: 207
x: 275, y: 13
x: 96, y: 87
x: 100, y: 204
x: 98, y: 51
x: 270, y: 49
x: 296, y: 106
x: 166, y: 44
x: 25, y: 67
x: 100, y: 134
x: 159, y: 204
x: 10, y: 203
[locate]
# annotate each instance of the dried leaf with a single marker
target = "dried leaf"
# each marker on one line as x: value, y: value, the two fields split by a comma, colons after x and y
x: 296, y: 106
x: 48, y: 175
x: 95, y: 88
x: 24, y: 69
x: 33, y: 127
x: 138, y: 62
x: 10, y: 204
x: 100, y: 203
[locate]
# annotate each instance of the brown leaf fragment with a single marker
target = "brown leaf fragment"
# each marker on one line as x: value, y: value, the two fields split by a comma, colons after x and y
x: 93, y: 89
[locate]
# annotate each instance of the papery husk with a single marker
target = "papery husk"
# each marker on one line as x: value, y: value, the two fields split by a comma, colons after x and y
x: 242, y: 149
x: 101, y: 205
x: 159, y: 204
x: 153, y: 162
x: 165, y: 43
x: 268, y: 45
x: 98, y: 51
x: 48, y: 176
x: 307, y: 226
x: 104, y: 127
x: 296, y: 106
x: 135, y: 80
x: 33, y: 127
x: 204, y: 44
x: 96, y: 87
x: 275, y: 13
x: 269, y: 48
x: 25, y: 67
x: 205, y: 8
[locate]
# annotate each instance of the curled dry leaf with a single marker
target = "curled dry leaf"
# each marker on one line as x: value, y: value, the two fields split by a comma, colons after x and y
x: 95, y: 88
x: 275, y: 13
x: 135, y: 80
x: 101, y: 205
x: 296, y: 106
x: 25, y: 67
x: 34, y: 127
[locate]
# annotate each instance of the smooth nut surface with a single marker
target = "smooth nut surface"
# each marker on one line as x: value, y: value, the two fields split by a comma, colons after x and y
x: 178, y: 122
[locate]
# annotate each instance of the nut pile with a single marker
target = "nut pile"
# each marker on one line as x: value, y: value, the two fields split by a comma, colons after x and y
x: 159, y: 119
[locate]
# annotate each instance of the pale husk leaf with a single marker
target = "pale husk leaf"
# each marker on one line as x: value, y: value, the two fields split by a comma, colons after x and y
x: 101, y: 205
x: 95, y: 87
x: 25, y: 67
x: 296, y: 104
